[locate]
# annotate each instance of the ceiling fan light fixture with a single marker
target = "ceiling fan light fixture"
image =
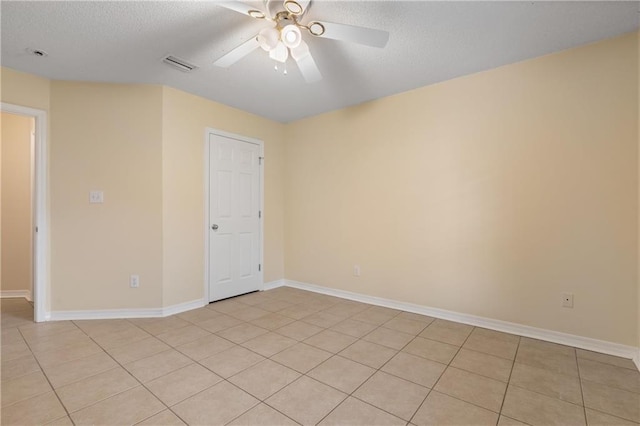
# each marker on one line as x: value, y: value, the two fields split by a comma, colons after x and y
x: 291, y: 36
x: 280, y: 53
x: 316, y: 28
x: 256, y: 14
x: 268, y: 38
x: 293, y: 7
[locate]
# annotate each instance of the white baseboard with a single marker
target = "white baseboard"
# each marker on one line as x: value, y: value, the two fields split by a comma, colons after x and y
x: 14, y: 294
x: 125, y: 313
x: 273, y: 284
x: 587, y: 343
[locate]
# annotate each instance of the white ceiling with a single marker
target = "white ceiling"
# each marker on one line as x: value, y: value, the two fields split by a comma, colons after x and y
x: 124, y: 42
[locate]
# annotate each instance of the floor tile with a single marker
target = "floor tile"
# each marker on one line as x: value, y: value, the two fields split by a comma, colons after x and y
x: 58, y: 341
x: 483, y: 364
x: 536, y: 409
x: 163, y: 418
x: 219, y: 323
x: 617, y: 402
x: 264, y: 379
x: 355, y: 412
x: 147, y: 369
x: 182, y: 383
x: 227, y: 306
x: 439, y: 409
x: 341, y: 373
x: 492, y: 343
x: 375, y: 315
x: 129, y: 407
x: 78, y: 395
x: 596, y: 418
x: 610, y: 375
x: 306, y: 401
x: 367, y: 353
x: 248, y: 313
x: 392, y: 394
x: 18, y: 367
x: 301, y: 357
x: 269, y: 344
x: 14, y: 350
x: 298, y: 312
x: 121, y: 338
x: 470, y: 387
x: 323, y: 319
x: 272, y: 321
x: 99, y: 327
x: 73, y: 371
x: 138, y: 350
x: 24, y: 387
x: 555, y: 385
x: 199, y: 315
x: 38, y: 410
x: 241, y: 333
x: 69, y: 353
x: 508, y: 421
x: 354, y: 328
x: 390, y: 338
x: 263, y: 415
x: 347, y: 309
x: 330, y: 341
x: 273, y: 305
x: 62, y: 421
x: 416, y: 317
x: 217, y: 405
x: 299, y: 330
x: 553, y: 360
x: 540, y: 345
x: 447, y: 332
x: 180, y: 336
x: 205, y: 347
x: 415, y: 369
x: 431, y: 349
x: 606, y: 359
x: 405, y: 325
x: 34, y: 331
x: 232, y: 361
x: 156, y: 326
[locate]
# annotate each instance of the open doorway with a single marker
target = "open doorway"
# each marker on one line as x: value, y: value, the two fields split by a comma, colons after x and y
x: 23, y: 218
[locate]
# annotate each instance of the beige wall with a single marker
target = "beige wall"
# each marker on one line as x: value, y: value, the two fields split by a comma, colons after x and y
x: 106, y: 137
x: 489, y: 194
x: 16, y: 223
x: 23, y: 89
x: 185, y: 118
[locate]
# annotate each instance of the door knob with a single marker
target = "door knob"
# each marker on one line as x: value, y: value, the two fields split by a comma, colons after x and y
x: 214, y: 227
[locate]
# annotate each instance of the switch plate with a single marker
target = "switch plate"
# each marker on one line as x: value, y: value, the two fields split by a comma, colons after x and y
x: 356, y: 270
x: 96, y: 197
x: 134, y: 281
x: 567, y: 300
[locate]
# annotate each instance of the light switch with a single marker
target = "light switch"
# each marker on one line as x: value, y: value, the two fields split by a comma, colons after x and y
x: 96, y: 197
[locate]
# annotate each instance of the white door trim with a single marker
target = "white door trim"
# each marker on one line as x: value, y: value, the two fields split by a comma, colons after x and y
x: 40, y: 209
x: 211, y: 131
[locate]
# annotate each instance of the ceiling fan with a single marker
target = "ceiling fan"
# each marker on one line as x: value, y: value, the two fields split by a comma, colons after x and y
x: 284, y: 37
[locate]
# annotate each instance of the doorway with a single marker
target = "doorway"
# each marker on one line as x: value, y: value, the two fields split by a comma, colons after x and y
x: 234, y: 205
x: 35, y: 225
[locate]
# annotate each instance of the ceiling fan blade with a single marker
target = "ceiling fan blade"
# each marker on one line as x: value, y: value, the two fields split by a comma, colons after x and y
x: 360, y: 35
x: 243, y: 8
x: 238, y: 53
x: 306, y: 64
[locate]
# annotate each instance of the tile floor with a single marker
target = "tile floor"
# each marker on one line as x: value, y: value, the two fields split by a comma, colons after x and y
x: 286, y: 357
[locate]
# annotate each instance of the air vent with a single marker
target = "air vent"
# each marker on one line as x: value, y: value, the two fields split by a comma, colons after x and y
x: 178, y: 63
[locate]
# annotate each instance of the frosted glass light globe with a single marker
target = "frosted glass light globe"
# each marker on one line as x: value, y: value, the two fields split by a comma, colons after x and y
x: 268, y: 38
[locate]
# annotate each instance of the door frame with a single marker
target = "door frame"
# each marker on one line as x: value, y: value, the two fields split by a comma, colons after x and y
x: 40, y: 208
x: 207, y: 168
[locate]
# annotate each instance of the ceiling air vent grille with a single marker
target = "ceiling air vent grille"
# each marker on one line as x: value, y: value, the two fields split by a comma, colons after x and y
x: 178, y: 63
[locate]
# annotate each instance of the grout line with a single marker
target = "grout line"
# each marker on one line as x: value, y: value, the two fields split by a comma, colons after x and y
x: 506, y: 389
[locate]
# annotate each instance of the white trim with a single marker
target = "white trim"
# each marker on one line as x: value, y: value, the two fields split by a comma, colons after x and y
x: 273, y: 284
x: 587, y: 343
x: 14, y: 294
x: 207, y: 150
x: 41, y: 240
x: 127, y: 313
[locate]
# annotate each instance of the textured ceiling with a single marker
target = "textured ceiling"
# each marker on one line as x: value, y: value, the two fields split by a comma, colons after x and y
x: 124, y: 42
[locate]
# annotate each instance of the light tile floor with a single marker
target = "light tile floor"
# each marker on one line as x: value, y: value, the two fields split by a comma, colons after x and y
x: 286, y: 357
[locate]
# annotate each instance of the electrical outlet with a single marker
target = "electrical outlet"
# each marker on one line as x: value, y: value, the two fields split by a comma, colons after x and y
x: 96, y: 197
x: 567, y: 300
x: 134, y: 281
x: 356, y: 270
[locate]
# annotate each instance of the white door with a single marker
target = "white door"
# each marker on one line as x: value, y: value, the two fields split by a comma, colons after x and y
x: 234, y: 217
